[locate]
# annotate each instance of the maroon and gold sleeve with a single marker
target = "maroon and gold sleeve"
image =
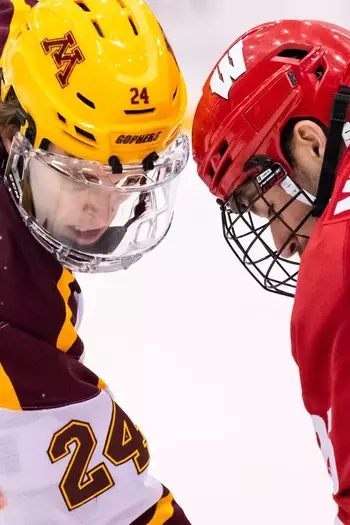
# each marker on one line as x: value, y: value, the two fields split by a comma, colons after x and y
x: 39, y: 346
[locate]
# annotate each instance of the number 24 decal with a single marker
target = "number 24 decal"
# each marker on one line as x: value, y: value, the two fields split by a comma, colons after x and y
x: 124, y: 442
x: 135, y: 99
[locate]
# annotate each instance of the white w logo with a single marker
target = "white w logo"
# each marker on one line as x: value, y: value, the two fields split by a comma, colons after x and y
x: 230, y: 67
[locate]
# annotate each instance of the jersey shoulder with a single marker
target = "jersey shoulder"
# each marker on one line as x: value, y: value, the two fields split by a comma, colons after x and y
x: 322, y: 297
x: 324, y: 264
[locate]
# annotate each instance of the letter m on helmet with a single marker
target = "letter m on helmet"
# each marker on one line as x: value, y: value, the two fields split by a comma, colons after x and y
x: 230, y: 67
x: 66, y: 55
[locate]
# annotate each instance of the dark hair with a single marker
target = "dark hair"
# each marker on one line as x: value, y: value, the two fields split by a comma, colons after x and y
x: 286, y: 138
x: 8, y: 110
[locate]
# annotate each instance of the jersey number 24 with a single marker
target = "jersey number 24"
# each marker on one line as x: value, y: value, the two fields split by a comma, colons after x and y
x: 124, y: 442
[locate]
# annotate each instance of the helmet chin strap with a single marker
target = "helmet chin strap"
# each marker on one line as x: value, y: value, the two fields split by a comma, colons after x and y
x: 293, y: 190
x: 332, y: 153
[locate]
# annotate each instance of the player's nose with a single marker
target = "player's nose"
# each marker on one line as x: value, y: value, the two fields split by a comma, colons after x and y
x: 100, y: 205
x: 284, y: 239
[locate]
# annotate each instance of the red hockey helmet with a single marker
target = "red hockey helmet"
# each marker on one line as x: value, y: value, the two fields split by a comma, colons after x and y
x: 275, y: 72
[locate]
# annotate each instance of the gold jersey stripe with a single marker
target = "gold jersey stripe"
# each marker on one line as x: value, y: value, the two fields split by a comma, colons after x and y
x: 101, y: 384
x: 8, y: 396
x: 164, y: 510
x: 68, y: 335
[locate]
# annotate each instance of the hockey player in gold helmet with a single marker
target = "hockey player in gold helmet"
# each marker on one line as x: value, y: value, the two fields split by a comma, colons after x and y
x: 92, y: 102
x: 98, y: 99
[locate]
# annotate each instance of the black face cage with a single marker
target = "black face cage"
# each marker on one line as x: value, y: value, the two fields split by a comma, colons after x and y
x: 250, y: 239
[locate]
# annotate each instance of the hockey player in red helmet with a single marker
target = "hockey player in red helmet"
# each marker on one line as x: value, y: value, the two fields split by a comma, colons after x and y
x: 270, y: 139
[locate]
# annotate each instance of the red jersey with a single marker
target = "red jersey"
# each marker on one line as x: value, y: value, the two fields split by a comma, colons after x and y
x: 320, y: 333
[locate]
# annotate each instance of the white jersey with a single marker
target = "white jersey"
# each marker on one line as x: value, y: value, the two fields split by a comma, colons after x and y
x: 56, y: 468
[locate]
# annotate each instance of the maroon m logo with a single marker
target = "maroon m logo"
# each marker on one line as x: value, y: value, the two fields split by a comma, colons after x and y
x: 66, y: 55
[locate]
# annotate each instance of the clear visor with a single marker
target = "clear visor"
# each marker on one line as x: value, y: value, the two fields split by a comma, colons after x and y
x: 90, y: 217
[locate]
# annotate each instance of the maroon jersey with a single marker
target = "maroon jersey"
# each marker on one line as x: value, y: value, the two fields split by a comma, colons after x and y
x: 321, y: 336
x: 39, y: 346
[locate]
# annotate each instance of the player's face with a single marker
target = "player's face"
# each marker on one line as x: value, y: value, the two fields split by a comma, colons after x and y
x: 287, y: 221
x: 308, y: 147
x: 70, y: 209
x: 285, y: 215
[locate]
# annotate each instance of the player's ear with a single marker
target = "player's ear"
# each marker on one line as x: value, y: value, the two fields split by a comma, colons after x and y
x: 309, y: 139
x: 308, y: 145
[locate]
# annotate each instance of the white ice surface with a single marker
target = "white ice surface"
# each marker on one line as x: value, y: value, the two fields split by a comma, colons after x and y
x: 199, y: 356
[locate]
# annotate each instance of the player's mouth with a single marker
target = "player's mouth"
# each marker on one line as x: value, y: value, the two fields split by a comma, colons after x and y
x: 85, y: 237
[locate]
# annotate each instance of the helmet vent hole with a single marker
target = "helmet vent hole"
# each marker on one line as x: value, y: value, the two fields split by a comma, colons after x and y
x: 292, y: 78
x: 138, y: 111
x: 224, y: 168
x: 84, y: 133
x: 77, y: 139
x: 86, y: 100
x: 134, y: 28
x: 98, y: 29
x: 223, y: 148
x: 211, y: 171
x: 61, y: 117
x: 319, y: 72
x: 297, y: 54
x: 175, y: 93
x: 83, y: 6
